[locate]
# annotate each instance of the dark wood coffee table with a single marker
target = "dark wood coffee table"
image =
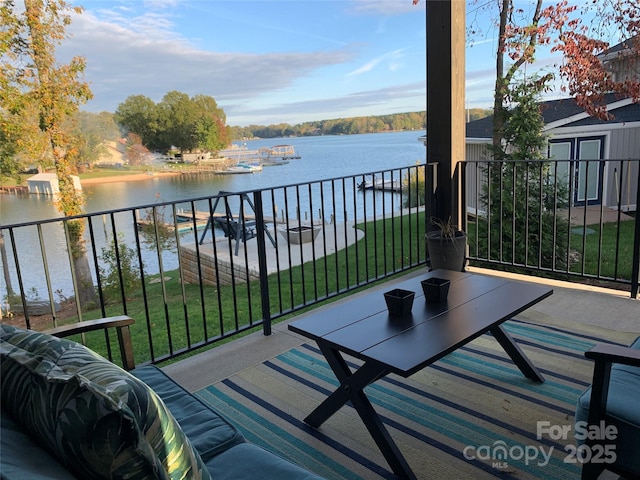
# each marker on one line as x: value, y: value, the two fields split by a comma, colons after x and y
x: 362, y: 328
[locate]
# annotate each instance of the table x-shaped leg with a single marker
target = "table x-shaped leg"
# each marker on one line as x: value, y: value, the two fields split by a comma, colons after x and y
x: 510, y: 346
x: 351, y: 389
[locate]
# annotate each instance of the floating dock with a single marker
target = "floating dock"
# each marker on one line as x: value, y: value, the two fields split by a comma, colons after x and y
x: 382, y: 185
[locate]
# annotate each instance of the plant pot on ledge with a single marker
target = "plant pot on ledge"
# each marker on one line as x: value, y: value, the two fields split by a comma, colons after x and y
x: 446, y: 247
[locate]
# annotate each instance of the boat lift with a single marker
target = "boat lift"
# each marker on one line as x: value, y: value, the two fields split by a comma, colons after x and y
x: 235, y: 227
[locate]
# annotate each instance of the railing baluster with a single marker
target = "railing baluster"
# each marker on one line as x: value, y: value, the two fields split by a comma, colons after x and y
x: 323, y: 232
x: 262, y: 262
x: 635, y: 262
x: 47, y: 277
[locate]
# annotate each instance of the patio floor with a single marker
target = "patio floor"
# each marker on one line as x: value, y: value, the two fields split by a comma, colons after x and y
x: 593, y: 214
x: 331, y: 238
x: 595, y: 307
x: 599, y: 311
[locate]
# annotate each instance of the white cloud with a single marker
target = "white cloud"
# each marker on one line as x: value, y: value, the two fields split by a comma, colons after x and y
x: 143, y: 57
x: 370, y: 65
x: 414, y: 93
x: 384, y: 7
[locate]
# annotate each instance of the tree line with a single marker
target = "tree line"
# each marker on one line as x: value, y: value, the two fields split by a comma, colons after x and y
x: 344, y: 126
x: 188, y: 124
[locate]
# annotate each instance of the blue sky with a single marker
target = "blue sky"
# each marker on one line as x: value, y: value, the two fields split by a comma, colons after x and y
x: 269, y: 61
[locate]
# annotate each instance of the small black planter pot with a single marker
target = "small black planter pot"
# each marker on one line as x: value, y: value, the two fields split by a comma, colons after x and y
x: 435, y: 289
x: 399, y: 302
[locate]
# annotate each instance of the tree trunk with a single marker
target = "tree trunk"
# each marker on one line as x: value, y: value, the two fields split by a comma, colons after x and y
x: 54, y: 107
x: 501, y: 85
x: 86, y: 293
x: 5, y: 267
x: 503, y: 79
x: 86, y: 290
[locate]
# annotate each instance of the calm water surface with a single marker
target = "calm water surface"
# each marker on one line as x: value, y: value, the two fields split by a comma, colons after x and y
x: 321, y: 158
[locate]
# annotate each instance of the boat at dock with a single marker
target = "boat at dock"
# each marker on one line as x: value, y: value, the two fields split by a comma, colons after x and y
x: 241, y: 168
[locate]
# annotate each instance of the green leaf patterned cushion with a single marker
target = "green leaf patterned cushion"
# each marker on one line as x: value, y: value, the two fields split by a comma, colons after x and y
x: 96, y: 418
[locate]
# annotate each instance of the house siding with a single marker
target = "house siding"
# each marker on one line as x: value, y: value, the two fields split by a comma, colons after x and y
x: 622, y: 181
x: 475, y: 152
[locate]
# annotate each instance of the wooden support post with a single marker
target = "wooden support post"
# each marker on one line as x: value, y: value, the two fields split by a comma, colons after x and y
x: 445, y: 101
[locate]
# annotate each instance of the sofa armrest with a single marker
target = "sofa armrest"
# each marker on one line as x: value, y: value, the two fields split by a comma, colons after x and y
x: 604, y: 357
x: 120, y: 323
x: 614, y: 354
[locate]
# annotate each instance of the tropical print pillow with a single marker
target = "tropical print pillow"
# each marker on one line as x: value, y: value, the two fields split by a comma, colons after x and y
x: 97, y: 419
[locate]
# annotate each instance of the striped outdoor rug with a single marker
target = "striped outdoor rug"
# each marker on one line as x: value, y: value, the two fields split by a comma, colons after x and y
x: 471, y: 415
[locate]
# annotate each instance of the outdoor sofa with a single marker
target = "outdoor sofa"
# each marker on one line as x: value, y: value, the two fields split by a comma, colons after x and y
x: 69, y: 413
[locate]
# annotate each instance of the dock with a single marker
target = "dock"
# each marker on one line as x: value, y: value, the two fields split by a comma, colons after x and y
x: 382, y: 185
x: 278, y: 154
x: 184, y: 221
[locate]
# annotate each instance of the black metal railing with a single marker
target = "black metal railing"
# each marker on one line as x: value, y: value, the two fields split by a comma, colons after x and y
x: 199, y: 271
x: 573, y: 219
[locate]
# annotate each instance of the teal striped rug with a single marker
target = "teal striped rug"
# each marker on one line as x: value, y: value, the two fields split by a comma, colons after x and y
x: 471, y: 415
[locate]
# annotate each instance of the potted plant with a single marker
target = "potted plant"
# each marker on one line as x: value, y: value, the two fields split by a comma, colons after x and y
x: 446, y: 245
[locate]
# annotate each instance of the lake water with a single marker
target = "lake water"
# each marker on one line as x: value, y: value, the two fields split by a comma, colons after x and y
x: 321, y: 158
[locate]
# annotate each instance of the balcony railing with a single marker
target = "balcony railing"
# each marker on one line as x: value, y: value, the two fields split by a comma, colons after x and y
x: 575, y: 220
x: 200, y: 271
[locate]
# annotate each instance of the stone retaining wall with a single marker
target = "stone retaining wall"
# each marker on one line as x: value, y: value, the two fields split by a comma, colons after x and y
x: 209, y: 268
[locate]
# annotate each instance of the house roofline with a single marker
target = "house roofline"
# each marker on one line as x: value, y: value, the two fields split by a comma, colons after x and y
x: 624, y: 49
x: 592, y: 129
x: 568, y: 130
x: 582, y: 115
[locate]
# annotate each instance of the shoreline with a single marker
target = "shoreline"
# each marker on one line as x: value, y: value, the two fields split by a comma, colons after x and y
x: 133, y: 177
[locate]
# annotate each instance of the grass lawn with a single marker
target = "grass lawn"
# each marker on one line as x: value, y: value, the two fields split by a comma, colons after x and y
x: 597, y: 250
x: 99, y: 172
x: 593, y: 254
x: 180, y: 316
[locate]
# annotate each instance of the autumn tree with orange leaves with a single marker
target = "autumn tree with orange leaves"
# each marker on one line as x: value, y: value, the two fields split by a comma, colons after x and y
x: 579, y: 33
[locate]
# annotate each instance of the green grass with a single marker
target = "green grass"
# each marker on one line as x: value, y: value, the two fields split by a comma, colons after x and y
x: 597, y: 255
x: 97, y: 172
x: 175, y: 309
x: 100, y: 172
x: 13, y: 182
x: 593, y: 254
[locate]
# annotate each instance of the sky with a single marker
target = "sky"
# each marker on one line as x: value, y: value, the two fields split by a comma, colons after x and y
x: 266, y: 61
